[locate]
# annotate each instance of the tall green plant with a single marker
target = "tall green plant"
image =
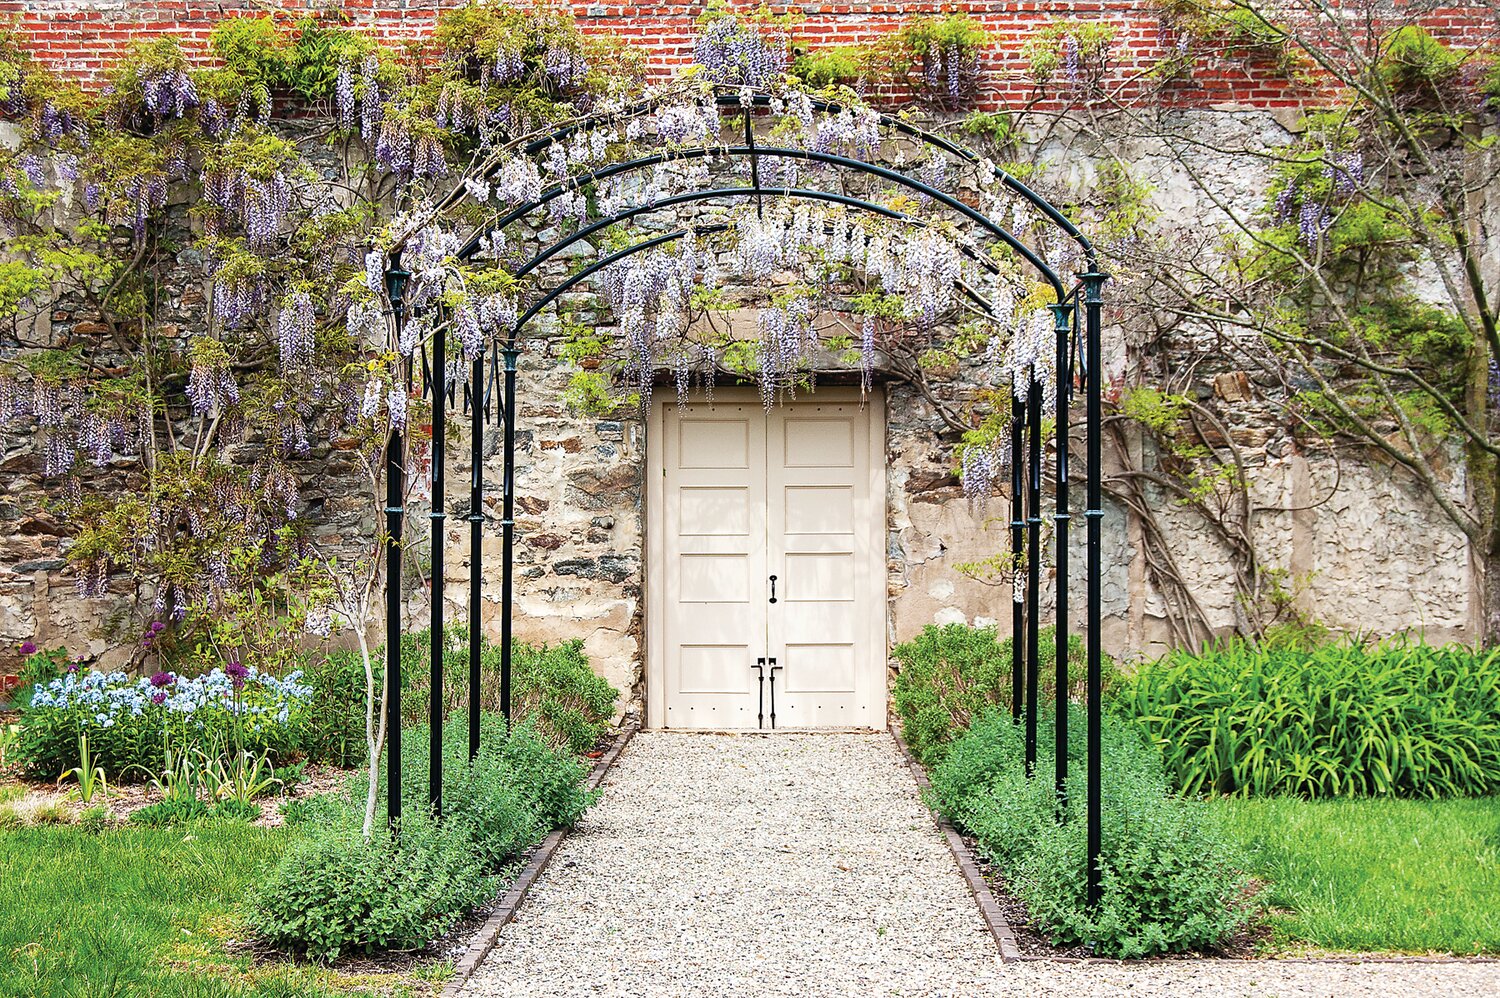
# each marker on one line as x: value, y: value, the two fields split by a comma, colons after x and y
x: 1400, y: 718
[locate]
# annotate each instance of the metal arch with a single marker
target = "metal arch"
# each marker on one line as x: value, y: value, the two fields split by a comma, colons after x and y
x: 905, y: 128
x: 726, y: 192
x: 615, y: 169
x: 1089, y: 356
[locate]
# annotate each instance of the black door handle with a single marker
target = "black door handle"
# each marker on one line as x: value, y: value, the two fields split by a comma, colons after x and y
x: 773, y: 594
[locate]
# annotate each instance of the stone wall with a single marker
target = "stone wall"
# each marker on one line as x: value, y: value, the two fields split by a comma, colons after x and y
x: 1378, y: 554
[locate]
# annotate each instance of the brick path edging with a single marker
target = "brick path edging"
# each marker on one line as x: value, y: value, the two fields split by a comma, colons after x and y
x: 484, y: 939
x: 989, y: 908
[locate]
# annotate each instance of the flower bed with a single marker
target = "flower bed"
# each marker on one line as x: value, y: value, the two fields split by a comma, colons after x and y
x: 130, y: 722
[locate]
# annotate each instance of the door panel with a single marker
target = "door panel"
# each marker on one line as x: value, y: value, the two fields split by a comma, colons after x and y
x: 740, y: 495
x: 821, y: 518
x: 714, y: 526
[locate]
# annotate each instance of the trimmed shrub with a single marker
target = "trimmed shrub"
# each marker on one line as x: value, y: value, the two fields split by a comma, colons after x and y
x: 1398, y: 718
x: 948, y: 676
x: 569, y: 705
x: 337, y: 892
x: 1169, y: 881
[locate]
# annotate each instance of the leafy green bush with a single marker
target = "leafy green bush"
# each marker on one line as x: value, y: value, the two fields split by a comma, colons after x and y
x: 949, y: 675
x: 552, y: 686
x: 337, y: 892
x: 1399, y: 718
x: 173, y: 811
x: 514, y: 792
x: 1169, y: 883
x: 332, y: 895
x: 335, y: 728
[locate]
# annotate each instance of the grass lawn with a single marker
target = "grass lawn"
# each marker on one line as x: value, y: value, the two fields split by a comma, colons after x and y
x: 138, y: 911
x: 1375, y: 875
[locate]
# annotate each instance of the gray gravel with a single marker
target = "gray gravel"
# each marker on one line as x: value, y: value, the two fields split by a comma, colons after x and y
x: 805, y: 864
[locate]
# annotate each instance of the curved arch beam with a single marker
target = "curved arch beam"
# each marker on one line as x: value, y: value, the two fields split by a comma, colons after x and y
x: 574, y: 280
x: 903, y: 127
x: 797, y: 193
x: 859, y: 166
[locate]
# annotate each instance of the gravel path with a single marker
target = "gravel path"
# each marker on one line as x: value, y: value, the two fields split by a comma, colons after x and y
x: 805, y: 864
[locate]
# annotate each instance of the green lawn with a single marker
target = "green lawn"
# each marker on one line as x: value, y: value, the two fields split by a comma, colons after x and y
x: 137, y: 911
x: 1375, y: 875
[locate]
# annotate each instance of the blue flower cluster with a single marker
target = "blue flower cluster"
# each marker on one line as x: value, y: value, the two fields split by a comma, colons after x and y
x: 102, y: 698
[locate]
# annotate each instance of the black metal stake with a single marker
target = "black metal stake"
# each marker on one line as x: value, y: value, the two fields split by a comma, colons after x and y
x: 435, y: 518
x: 1017, y: 525
x: 1093, y: 284
x: 476, y: 550
x: 395, y: 511
x: 1062, y: 315
x: 508, y: 526
x: 1033, y: 559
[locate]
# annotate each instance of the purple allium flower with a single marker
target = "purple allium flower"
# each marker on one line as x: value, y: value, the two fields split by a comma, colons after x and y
x: 28, y: 648
x: 159, y: 698
x: 236, y: 673
x: 157, y: 627
x: 161, y: 679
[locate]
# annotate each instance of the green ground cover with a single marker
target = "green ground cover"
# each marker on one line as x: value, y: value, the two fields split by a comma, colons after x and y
x: 1411, y: 876
x: 148, y: 911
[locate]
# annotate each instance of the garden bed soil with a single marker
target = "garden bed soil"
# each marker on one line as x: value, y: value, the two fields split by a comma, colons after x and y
x: 124, y: 799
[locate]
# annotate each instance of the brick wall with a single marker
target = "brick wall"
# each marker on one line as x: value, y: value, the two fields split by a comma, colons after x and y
x: 82, y: 37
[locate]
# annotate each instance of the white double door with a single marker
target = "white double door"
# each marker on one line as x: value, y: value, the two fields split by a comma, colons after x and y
x: 766, y: 584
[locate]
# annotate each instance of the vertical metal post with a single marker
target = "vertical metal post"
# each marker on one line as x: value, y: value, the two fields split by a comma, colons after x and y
x: 1062, y: 318
x: 395, y: 512
x: 508, y: 525
x: 1033, y: 560
x: 1017, y: 525
x: 476, y: 550
x: 1093, y: 285
x: 435, y: 518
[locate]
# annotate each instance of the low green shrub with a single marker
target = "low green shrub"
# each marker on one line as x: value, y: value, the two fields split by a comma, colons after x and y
x: 1400, y: 718
x: 331, y: 896
x: 1170, y: 884
x: 949, y: 675
x: 552, y: 686
x: 173, y: 811
x: 337, y: 892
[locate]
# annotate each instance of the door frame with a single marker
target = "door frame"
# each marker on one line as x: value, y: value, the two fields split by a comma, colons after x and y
x: 655, y: 611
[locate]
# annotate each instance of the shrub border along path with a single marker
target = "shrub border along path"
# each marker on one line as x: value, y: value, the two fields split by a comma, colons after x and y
x: 1005, y: 935
x: 484, y: 939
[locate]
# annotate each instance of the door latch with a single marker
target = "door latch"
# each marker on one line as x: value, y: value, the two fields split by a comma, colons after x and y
x: 773, y: 594
x: 774, y: 667
x: 760, y: 707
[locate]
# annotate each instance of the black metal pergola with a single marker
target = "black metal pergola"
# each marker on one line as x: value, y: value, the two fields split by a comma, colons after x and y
x: 1078, y: 359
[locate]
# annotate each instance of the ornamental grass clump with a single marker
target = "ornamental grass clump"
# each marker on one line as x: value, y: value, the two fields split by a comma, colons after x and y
x: 131, y: 723
x: 1170, y: 881
x: 1400, y: 718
